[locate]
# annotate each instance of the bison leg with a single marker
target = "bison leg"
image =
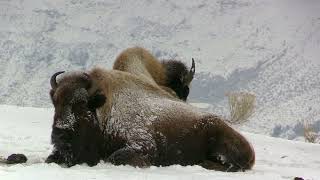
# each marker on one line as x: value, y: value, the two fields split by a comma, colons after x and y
x: 61, y: 158
x: 226, y: 147
x: 62, y: 152
x: 54, y: 157
x: 128, y: 156
x: 213, y: 165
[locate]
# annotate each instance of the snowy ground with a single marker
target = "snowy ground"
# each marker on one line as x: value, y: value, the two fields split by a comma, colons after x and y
x: 27, y: 130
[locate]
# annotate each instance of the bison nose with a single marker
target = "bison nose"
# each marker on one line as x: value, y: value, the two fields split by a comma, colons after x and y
x: 65, y: 119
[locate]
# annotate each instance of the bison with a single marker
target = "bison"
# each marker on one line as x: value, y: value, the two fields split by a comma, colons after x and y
x: 172, y: 75
x: 124, y: 119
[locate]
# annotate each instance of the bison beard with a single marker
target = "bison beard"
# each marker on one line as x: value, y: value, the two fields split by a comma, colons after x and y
x: 120, y: 118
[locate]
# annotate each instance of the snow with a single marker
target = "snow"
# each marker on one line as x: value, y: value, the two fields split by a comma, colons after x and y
x: 27, y: 130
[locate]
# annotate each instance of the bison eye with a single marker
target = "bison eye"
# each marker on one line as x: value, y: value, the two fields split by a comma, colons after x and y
x: 51, y: 95
x: 97, y: 100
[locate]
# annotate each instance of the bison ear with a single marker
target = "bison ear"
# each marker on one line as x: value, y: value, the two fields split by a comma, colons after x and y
x: 97, y: 100
x: 51, y: 94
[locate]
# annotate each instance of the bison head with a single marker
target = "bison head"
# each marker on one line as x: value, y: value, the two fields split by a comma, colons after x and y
x: 178, y: 77
x: 76, y: 135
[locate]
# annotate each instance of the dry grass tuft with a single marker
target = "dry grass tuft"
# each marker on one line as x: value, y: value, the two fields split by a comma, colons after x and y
x: 241, y: 105
x: 309, y: 133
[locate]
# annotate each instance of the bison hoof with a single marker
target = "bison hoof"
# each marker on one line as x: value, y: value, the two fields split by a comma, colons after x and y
x: 59, y: 159
x: 127, y: 157
x: 52, y: 158
x: 16, y: 159
x: 220, y: 166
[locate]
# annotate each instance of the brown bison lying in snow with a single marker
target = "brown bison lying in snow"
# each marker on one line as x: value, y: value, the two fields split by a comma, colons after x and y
x: 172, y: 76
x: 123, y: 119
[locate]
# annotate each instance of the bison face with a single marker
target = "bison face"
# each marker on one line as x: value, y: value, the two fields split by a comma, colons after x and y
x: 181, y: 90
x: 76, y: 135
x: 179, y: 78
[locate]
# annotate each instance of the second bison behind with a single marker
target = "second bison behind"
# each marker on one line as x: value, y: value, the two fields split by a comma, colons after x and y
x: 122, y: 118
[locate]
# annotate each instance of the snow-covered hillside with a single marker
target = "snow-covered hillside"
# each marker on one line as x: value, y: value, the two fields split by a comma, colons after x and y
x: 268, y: 47
x: 27, y: 130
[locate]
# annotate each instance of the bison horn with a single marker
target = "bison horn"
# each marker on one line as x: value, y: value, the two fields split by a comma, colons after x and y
x: 53, y: 80
x: 190, y: 74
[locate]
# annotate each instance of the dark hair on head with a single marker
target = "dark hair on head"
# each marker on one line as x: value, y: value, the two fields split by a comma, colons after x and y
x: 176, y: 72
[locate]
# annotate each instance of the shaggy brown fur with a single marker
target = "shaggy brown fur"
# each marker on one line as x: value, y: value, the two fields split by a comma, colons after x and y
x: 171, y: 75
x: 124, y: 119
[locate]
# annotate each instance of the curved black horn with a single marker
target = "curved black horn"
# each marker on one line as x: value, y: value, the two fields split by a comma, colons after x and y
x: 193, y: 68
x: 191, y: 72
x: 53, y: 80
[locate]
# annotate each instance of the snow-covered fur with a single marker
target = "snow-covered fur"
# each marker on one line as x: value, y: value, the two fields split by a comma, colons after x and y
x: 171, y: 75
x: 125, y: 119
x: 76, y: 135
